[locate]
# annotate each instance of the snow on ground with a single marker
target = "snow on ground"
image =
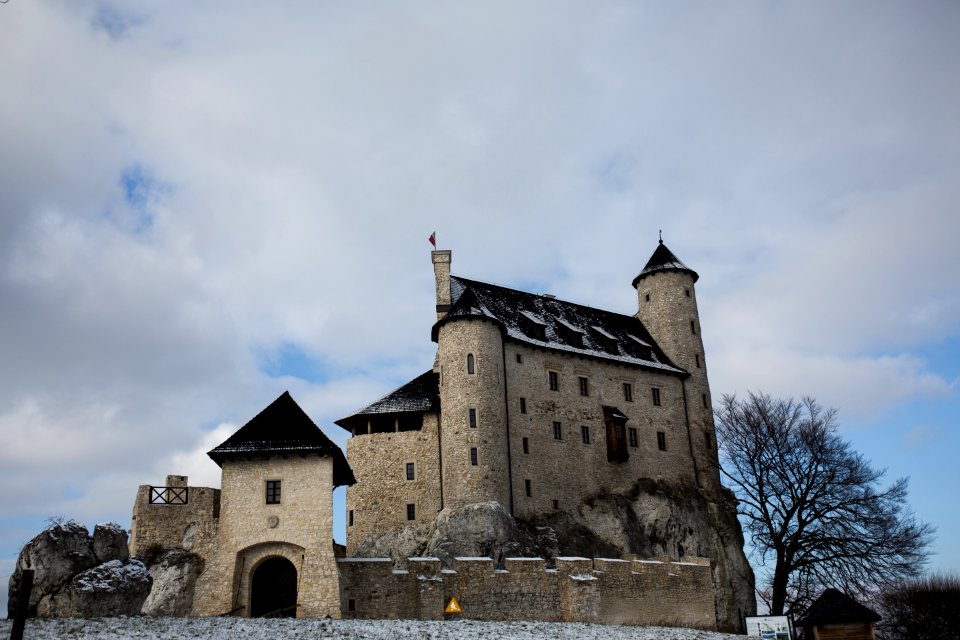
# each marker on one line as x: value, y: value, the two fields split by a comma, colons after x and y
x: 287, y: 629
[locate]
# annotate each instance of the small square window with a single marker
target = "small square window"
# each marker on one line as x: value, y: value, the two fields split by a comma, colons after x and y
x: 411, y: 512
x: 523, y: 405
x: 646, y: 298
x: 519, y: 359
x: 585, y: 434
x: 527, y: 489
x: 584, y: 386
x: 273, y: 492
x: 627, y: 392
x: 526, y: 445
x: 661, y: 441
x: 350, y: 518
x: 473, y: 417
x: 632, y: 436
x: 554, y: 379
x: 411, y: 471
x: 473, y: 457
x: 557, y: 431
x: 655, y: 395
x: 687, y: 292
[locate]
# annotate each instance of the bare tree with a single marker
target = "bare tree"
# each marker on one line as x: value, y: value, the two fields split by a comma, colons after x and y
x: 812, y: 504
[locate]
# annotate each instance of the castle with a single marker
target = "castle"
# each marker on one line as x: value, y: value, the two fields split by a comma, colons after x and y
x: 549, y: 411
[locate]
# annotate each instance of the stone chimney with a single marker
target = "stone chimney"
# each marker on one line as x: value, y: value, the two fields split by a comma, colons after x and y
x: 441, y: 273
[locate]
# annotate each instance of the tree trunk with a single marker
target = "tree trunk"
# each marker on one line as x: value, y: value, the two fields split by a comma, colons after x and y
x: 778, y: 595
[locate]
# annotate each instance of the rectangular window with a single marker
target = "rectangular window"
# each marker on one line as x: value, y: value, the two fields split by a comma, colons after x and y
x: 661, y: 441
x: 687, y: 291
x: 273, y: 492
x: 411, y: 471
x: 554, y: 380
x: 519, y: 359
x: 655, y: 394
x: 706, y: 404
x: 526, y: 488
x: 585, y: 433
x: 584, y: 386
x: 632, y: 436
x: 473, y: 457
x: 697, y: 356
x: 693, y: 328
x: 707, y: 440
x: 351, y: 605
x: 473, y: 418
x: 523, y: 405
x: 556, y: 505
x: 628, y: 392
x: 526, y: 445
x: 350, y: 518
x: 411, y: 512
x: 557, y: 431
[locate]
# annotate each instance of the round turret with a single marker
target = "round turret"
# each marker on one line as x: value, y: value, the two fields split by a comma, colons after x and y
x: 667, y: 306
x: 473, y: 420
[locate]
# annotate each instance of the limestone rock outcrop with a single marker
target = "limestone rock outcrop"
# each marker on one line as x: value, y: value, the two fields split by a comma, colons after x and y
x: 76, y: 574
x: 175, y: 573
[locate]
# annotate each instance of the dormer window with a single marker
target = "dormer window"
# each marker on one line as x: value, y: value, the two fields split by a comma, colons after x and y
x: 568, y: 333
x: 605, y: 340
x: 533, y: 326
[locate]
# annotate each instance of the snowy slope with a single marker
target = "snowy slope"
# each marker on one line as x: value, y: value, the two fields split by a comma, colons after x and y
x: 232, y: 628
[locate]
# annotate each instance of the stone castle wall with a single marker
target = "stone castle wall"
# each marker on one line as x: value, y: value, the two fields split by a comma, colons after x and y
x: 645, y: 592
x: 379, y: 499
x: 568, y: 470
x: 191, y: 526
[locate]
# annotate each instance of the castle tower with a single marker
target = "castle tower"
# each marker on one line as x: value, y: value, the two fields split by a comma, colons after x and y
x: 667, y: 306
x: 473, y: 422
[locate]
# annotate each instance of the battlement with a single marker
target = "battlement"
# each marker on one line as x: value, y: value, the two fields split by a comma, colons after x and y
x: 174, y: 516
x: 601, y: 590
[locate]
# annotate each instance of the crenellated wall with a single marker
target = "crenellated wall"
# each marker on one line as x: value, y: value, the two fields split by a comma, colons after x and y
x: 638, y: 592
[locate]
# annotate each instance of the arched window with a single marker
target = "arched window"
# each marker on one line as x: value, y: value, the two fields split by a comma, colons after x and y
x: 471, y: 368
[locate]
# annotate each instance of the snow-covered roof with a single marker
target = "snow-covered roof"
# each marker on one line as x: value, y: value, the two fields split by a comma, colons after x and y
x: 663, y: 260
x: 547, y: 322
x: 422, y: 394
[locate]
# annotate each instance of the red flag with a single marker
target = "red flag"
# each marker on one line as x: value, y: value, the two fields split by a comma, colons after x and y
x: 433, y: 239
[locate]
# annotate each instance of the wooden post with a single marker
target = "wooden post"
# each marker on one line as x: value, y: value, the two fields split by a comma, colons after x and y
x: 23, y: 604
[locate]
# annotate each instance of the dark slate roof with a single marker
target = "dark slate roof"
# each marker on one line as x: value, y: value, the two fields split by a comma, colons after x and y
x: 283, y: 429
x: 419, y: 395
x: 546, y: 322
x: 663, y: 260
x: 836, y: 607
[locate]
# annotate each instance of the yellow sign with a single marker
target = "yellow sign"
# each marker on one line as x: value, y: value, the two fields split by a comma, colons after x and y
x: 453, y: 606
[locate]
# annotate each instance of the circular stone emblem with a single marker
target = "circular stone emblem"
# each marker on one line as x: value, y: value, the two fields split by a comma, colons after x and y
x: 273, y: 521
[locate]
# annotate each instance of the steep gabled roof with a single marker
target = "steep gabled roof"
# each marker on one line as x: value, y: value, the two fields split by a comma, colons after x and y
x: 419, y: 395
x: 283, y: 429
x: 544, y: 321
x: 663, y: 260
x: 836, y: 607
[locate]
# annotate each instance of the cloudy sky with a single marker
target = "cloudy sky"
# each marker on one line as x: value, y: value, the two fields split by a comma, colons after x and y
x: 203, y: 204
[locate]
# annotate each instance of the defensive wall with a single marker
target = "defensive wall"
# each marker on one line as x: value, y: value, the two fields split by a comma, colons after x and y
x: 634, y: 592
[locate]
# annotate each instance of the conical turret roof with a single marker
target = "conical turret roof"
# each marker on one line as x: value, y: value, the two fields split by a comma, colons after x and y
x: 283, y: 428
x: 663, y: 260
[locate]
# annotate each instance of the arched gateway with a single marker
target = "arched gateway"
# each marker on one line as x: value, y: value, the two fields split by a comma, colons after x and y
x: 273, y: 589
